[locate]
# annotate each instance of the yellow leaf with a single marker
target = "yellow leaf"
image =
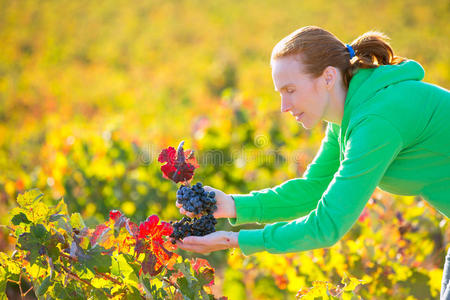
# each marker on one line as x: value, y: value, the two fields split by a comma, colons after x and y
x: 435, y: 281
x: 61, y: 207
x: 36, y: 271
x: 77, y: 221
x: 11, y: 265
x: 38, y: 212
x: 350, y: 283
x: 100, y: 283
x: 28, y: 198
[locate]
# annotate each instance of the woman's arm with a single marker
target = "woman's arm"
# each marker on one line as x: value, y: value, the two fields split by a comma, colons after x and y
x: 296, y: 197
x: 372, y: 145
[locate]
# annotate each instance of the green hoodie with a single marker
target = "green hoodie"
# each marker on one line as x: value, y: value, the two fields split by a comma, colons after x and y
x: 395, y: 134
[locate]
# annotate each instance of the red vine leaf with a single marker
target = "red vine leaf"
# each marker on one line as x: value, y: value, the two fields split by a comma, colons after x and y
x: 99, y: 232
x: 168, y: 155
x: 180, y: 164
x: 147, y: 229
x: 204, y: 270
x: 114, y: 215
x: 150, y: 239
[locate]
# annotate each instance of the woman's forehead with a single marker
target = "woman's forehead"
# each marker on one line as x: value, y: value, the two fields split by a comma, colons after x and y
x: 286, y: 64
x: 287, y: 69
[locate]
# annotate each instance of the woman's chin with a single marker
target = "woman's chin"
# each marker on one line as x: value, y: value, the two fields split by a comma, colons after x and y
x: 307, y: 125
x: 304, y: 124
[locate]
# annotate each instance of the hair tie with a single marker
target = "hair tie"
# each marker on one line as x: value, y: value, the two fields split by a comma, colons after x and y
x: 350, y: 50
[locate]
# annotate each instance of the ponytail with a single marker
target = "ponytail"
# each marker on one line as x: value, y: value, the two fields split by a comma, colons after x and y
x: 371, y: 50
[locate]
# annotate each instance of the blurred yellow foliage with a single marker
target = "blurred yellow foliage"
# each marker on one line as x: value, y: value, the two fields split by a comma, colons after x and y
x: 91, y: 91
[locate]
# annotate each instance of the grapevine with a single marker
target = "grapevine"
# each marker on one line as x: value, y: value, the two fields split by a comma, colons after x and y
x: 62, y: 258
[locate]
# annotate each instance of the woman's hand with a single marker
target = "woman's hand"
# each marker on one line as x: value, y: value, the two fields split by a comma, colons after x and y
x: 225, y: 205
x: 215, y: 241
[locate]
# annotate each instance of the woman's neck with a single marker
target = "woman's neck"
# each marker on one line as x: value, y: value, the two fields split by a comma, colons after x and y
x: 335, y: 110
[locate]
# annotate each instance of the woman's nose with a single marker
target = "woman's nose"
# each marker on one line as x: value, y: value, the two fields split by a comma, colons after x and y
x: 285, y: 104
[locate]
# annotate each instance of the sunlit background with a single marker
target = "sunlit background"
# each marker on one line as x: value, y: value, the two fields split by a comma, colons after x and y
x: 91, y: 91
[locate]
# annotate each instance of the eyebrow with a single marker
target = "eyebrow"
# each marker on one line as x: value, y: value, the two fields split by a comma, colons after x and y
x: 284, y: 86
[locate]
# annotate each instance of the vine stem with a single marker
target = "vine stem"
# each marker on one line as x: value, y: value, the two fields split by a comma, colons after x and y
x: 19, y: 283
x: 171, y: 284
x: 103, y: 275
x: 62, y: 254
x: 7, y: 227
x: 106, y: 276
x: 76, y: 277
x: 31, y: 287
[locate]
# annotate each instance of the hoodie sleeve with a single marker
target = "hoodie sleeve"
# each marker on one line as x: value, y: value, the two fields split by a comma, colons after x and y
x: 371, y: 147
x: 295, y: 197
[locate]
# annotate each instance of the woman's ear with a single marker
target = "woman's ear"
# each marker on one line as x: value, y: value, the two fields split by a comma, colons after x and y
x: 330, y: 76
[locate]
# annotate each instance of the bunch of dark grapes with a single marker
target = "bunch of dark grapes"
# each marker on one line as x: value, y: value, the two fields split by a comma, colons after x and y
x: 202, y: 204
x: 196, y: 199
x: 193, y: 227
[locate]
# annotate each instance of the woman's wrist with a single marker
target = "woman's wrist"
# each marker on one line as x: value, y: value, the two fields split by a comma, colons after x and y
x: 232, y: 207
x: 233, y: 239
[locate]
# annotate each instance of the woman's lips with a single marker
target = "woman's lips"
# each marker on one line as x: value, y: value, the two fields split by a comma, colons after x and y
x: 299, y: 116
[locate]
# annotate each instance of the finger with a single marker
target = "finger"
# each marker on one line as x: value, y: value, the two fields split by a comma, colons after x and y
x: 178, y: 204
x: 191, y: 248
x: 179, y: 243
x: 187, y: 213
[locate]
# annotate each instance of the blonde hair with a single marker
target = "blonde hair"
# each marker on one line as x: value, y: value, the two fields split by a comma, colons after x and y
x: 317, y: 48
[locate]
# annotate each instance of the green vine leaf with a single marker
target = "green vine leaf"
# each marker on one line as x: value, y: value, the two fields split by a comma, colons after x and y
x: 44, y: 286
x: 20, y: 218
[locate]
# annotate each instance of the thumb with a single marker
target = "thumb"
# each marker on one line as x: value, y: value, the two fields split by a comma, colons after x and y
x: 208, y: 188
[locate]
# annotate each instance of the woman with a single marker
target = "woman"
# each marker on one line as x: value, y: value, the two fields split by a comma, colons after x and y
x: 386, y: 128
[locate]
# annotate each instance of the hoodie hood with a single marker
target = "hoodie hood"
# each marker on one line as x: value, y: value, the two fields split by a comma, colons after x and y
x: 367, y: 82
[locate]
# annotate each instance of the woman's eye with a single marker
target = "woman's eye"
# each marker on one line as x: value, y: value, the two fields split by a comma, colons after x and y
x: 290, y: 91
